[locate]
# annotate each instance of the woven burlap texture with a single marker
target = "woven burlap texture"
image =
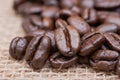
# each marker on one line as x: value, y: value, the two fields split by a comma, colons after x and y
x: 10, y: 69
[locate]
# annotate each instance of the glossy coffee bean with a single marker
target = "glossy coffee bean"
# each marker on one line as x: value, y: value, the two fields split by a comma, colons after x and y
x: 91, y: 43
x: 51, y: 12
x: 76, y: 9
x: 115, y: 19
x: 113, y: 41
x: 79, y: 24
x: 90, y: 15
x: 107, y: 4
x: 67, y: 40
x: 17, y: 3
x: 38, y: 51
x: 68, y: 3
x: 107, y: 27
x: 60, y: 62
x: 51, y: 2
x: 18, y: 47
x: 104, y: 60
x: 87, y: 3
x: 29, y: 8
x: 66, y: 13
x: 118, y: 67
x: 102, y: 15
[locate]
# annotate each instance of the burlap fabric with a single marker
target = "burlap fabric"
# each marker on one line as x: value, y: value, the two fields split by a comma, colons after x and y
x: 10, y: 27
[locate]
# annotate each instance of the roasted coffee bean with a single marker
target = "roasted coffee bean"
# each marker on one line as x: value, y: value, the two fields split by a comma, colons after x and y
x: 51, y: 12
x: 17, y: 3
x: 113, y: 40
x: 107, y: 4
x: 87, y: 3
x: 34, y: 23
x: 79, y: 24
x: 76, y: 9
x: 68, y: 3
x: 29, y: 8
x: 107, y: 27
x: 104, y: 60
x: 51, y: 2
x: 61, y: 24
x: 66, y: 13
x: 113, y: 19
x: 59, y: 61
x: 67, y: 40
x: 90, y: 15
x: 118, y: 67
x: 83, y: 59
x: 91, y: 43
x: 28, y: 26
x: 18, y: 47
x: 102, y: 15
x: 38, y: 51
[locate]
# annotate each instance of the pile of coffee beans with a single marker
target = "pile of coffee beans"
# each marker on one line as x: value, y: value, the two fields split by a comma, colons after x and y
x: 66, y: 32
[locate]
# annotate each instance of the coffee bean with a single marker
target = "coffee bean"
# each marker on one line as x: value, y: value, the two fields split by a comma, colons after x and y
x: 107, y: 4
x: 51, y: 12
x: 113, y: 41
x: 29, y: 8
x: 66, y: 13
x: 87, y: 3
x: 118, y: 67
x: 18, y: 48
x: 79, y: 24
x: 59, y: 61
x: 67, y: 40
x: 68, y: 3
x: 89, y: 15
x: 38, y: 51
x: 115, y: 19
x: 107, y: 27
x: 17, y: 3
x: 104, y: 60
x: 90, y: 44
x: 51, y: 2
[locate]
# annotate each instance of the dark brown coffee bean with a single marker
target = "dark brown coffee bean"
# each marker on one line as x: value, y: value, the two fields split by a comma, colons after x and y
x: 51, y: 2
x: 48, y: 23
x: 115, y: 19
x: 68, y: 3
x: 67, y: 41
x: 29, y: 8
x: 107, y: 27
x: 107, y: 4
x: 118, y: 67
x: 51, y: 12
x: 66, y: 13
x: 61, y: 24
x: 28, y: 26
x: 104, y: 60
x: 76, y: 9
x: 59, y: 61
x: 113, y: 41
x: 17, y: 3
x: 51, y: 35
x: 79, y: 24
x: 87, y: 3
x: 38, y: 51
x: 89, y: 15
x: 18, y: 47
x: 102, y: 15
x: 83, y: 59
x: 90, y: 44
